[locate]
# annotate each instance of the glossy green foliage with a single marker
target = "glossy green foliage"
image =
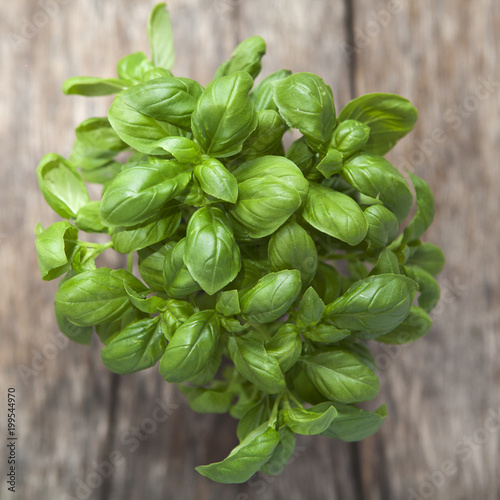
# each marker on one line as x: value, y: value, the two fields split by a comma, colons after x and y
x: 254, y: 274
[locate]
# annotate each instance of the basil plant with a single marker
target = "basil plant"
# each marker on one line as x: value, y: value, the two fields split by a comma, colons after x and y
x: 261, y: 272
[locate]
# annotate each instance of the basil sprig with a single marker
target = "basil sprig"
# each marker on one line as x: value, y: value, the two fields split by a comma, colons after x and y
x: 260, y: 273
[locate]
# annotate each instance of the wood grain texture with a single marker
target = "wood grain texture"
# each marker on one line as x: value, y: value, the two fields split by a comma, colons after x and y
x: 441, y: 393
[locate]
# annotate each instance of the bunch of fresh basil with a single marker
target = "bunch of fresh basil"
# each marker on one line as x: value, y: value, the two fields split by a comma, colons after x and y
x: 262, y: 271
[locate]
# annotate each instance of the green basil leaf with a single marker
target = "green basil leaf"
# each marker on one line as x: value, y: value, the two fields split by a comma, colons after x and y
x: 262, y: 94
x: 428, y: 287
x: 55, y: 246
x: 159, y: 227
x: 325, y: 333
x: 61, y: 185
x: 255, y: 364
x: 139, y: 346
x: 135, y: 194
x: 360, y: 350
x: 96, y: 134
x: 282, y: 453
x: 428, y: 256
x: 150, y: 305
x: 291, y: 247
x: 168, y: 99
x: 108, y: 331
x: 224, y: 116
x: 103, y: 174
x: 340, y: 376
x: 389, y: 117
x: 264, y: 204
x: 273, y: 166
x: 161, y: 39
x: 415, y: 325
x: 93, y: 86
x: 253, y: 418
x: 216, y: 180
x: 95, y: 297
x: 310, y: 421
x: 175, y: 314
x: 335, y: 214
x: 184, y: 150
x: 246, y: 56
x: 191, y: 348
x: 88, y: 220
x: 177, y: 279
x: 350, y: 136
x: 215, y: 399
x: 377, y: 304
x: 286, y: 346
x: 383, y: 226
x: 306, y: 103
x: 246, y: 459
x: 327, y: 282
x: 300, y: 154
x: 134, y: 67
x: 310, y: 309
x: 357, y: 270
x: 331, y: 163
x: 355, y: 424
x: 302, y: 385
x: 211, y: 367
x: 212, y: 255
x: 425, y: 209
x: 375, y: 176
x: 228, y: 303
x: 271, y: 297
x: 79, y: 334
x: 387, y: 263
x: 151, y: 260
x: 265, y: 139
x: 193, y: 195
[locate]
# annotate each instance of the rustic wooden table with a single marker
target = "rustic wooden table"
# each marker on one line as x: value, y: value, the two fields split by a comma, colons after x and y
x: 442, y: 437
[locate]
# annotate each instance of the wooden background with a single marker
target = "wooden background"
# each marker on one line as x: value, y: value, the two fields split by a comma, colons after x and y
x: 441, y: 439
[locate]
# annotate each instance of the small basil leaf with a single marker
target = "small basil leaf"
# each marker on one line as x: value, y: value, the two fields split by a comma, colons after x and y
x: 354, y: 424
x: 216, y: 180
x: 97, y: 135
x: 97, y: 296
x: 160, y: 37
x: 224, y: 116
x: 375, y: 176
x: 79, y: 334
x: 246, y: 459
x: 108, y: 331
x: 134, y: 67
x: 340, y: 376
x: 150, y: 305
x: 428, y: 287
x: 246, y: 56
x: 286, y: 346
x: 212, y: 255
x: 350, y: 136
x: 228, y: 303
x: 135, y: 194
x: 191, y: 348
x: 310, y: 421
x: 325, y: 333
x: 271, y: 297
x: 215, y: 399
x: 282, y: 453
x: 177, y: 279
x: 255, y: 364
x: 383, y: 226
x: 327, y: 282
x: 359, y: 350
x: 262, y: 94
x: 425, y: 209
x: 389, y: 117
x: 153, y: 230
x: 61, y: 185
x: 291, y: 247
x: 103, y: 174
x: 377, y: 304
x: 184, y: 150
x: 311, y: 308
x: 414, y: 326
x: 176, y: 312
x: 300, y: 154
x: 306, y: 102
x: 428, y: 256
x: 55, y: 246
x: 302, y: 385
x: 335, y: 214
x: 139, y: 346
x: 253, y: 418
x: 88, y: 220
x: 387, y: 263
x: 331, y: 163
x: 93, y: 86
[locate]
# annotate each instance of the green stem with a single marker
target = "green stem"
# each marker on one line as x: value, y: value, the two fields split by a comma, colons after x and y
x: 274, y: 413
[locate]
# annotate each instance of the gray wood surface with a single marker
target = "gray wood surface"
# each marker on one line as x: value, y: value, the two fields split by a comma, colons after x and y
x: 442, y: 437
